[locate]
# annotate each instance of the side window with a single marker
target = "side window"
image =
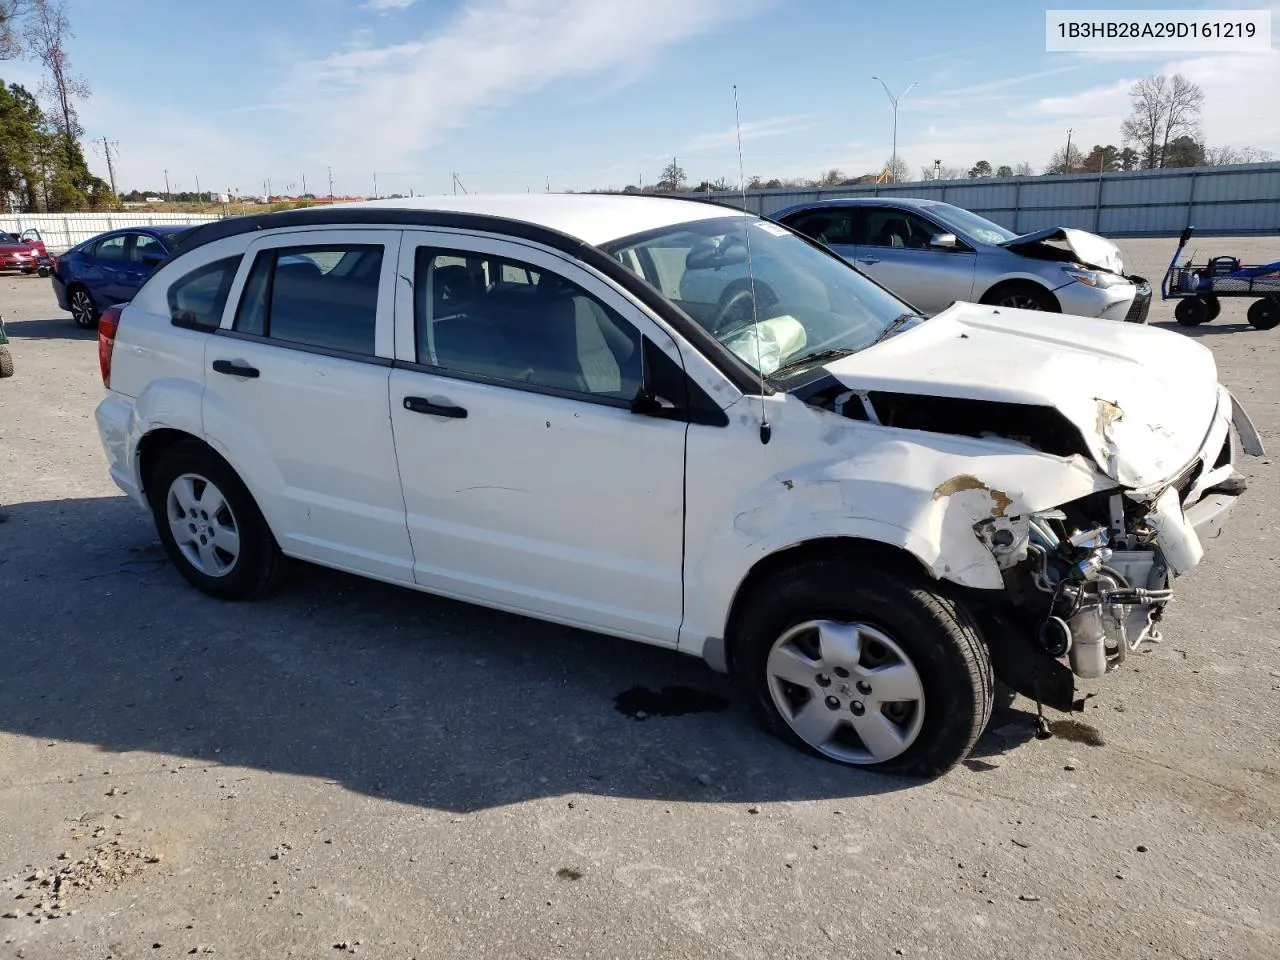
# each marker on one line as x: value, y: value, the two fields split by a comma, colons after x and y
x: 144, y: 244
x: 196, y: 300
x: 489, y: 317
x: 320, y: 296
x: 111, y: 248
x: 825, y: 226
x: 887, y: 227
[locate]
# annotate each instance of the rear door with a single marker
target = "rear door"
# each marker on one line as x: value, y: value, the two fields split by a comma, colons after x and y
x: 108, y: 270
x: 893, y: 248
x: 296, y: 394
x: 145, y: 251
x: 833, y: 226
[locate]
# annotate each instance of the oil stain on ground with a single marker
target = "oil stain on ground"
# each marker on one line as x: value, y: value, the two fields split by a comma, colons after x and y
x: 640, y: 703
x: 1076, y: 732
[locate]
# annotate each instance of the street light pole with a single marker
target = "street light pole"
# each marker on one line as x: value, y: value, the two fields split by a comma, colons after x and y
x: 893, y: 163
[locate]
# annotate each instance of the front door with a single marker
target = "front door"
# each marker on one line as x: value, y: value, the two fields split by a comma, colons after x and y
x: 894, y: 250
x: 296, y: 393
x: 528, y: 482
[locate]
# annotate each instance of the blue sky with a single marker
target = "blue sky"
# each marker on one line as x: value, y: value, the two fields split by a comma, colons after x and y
x: 598, y: 93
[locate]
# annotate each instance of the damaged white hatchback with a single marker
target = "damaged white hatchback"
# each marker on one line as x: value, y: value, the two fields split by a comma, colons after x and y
x: 516, y: 401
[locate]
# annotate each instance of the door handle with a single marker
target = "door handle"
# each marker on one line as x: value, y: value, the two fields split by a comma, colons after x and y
x: 868, y: 259
x: 423, y: 405
x: 234, y: 368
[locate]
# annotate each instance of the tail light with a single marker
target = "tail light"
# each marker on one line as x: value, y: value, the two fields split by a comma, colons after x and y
x: 108, y: 324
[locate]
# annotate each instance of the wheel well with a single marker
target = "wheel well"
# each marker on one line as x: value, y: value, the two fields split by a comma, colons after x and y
x: 155, y: 443
x: 1004, y: 286
x: 881, y: 555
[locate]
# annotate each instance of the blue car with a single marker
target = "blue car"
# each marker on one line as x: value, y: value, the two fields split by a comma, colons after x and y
x: 110, y: 268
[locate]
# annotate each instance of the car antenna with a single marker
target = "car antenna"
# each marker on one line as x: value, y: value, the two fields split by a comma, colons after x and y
x: 766, y: 429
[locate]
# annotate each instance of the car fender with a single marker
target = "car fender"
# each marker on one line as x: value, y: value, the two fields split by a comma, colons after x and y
x: 918, y: 492
x: 246, y: 452
x: 168, y: 403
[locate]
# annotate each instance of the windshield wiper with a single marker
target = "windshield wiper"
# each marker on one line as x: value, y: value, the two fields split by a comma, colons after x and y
x: 894, y: 327
x: 809, y: 359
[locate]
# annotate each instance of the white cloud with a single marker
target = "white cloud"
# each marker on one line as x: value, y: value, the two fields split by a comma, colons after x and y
x: 401, y: 99
x: 751, y: 130
x: 382, y: 5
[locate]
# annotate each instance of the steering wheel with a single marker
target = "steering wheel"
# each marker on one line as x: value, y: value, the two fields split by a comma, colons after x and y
x: 727, y: 306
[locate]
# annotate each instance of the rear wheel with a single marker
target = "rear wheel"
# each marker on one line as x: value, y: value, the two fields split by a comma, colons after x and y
x: 864, y: 667
x: 83, y: 310
x: 1265, y: 313
x: 1191, y: 312
x: 1215, y: 307
x: 209, y: 524
x: 1021, y: 296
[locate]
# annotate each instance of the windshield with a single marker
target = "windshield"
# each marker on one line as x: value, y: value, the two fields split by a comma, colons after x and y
x: 807, y: 304
x: 8, y: 238
x: 980, y: 228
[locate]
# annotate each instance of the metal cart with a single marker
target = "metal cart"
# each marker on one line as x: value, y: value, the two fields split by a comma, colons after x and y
x: 1198, y: 289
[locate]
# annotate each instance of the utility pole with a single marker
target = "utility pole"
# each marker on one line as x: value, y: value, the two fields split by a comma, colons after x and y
x: 893, y: 163
x: 331, y: 183
x: 1066, y: 157
x: 111, y: 170
x: 199, y: 198
x: 268, y: 189
x: 375, y: 185
x: 166, y: 185
x: 304, y: 184
x: 937, y: 169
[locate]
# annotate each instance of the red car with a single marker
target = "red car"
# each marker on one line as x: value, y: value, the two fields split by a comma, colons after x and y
x: 25, y: 254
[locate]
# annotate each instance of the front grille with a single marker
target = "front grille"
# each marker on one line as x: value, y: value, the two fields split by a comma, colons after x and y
x: 1141, y: 302
x: 1187, y: 478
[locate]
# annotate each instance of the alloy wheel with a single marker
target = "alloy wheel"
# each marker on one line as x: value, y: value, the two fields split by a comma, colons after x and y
x: 82, y: 308
x: 846, y: 689
x: 203, y: 525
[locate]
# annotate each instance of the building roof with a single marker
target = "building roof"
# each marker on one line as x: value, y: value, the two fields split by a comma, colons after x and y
x: 591, y: 217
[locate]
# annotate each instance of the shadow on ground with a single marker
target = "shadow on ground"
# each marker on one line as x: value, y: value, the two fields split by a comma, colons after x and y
x: 56, y: 328
x: 388, y: 691
x: 1210, y: 329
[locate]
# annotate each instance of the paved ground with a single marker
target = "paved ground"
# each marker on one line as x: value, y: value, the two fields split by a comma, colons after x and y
x: 353, y: 764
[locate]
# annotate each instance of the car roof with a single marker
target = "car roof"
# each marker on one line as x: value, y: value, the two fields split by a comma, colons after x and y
x: 918, y: 203
x: 590, y: 217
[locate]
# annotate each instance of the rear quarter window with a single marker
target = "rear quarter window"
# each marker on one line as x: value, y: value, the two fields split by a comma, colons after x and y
x: 196, y: 299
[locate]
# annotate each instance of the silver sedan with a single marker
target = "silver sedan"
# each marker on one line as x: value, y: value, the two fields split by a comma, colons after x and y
x: 932, y: 254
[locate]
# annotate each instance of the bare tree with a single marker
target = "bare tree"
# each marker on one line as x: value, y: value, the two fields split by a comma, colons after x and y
x: 898, y: 170
x: 10, y: 41
x: 1222, y: 156
x: 1023, y: 169
x: 1163, y: 109
x: 48, y: 31
x: 1064, y: 162
x: 941, y: 173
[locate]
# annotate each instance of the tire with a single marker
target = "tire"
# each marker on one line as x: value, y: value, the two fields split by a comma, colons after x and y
x: 190, y: 475
x: 1265, y: 313
x: 83, y: 310
x: 1191, y: 312
x: 933, y: 635
x: 6, y: 363
x: 1215, y: 307
x: 1021, y: 295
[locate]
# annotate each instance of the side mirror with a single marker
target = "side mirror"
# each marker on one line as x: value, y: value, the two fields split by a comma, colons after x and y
x: 1186, y: 235
x: 944, y: 241
x: 652, y: 405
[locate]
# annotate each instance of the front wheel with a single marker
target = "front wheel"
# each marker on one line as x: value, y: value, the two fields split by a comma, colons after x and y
x: 209, y: 524
x: 1265, y: 313
x: 1191, y: 312
x: 1022, y: 296
x: 864, y: 667
x: 83, y: 310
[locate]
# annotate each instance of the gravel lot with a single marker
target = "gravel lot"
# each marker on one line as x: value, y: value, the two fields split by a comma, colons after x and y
x: 351, y: 767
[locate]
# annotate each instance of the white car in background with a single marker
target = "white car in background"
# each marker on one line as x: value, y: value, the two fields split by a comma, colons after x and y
x: 515, y: 401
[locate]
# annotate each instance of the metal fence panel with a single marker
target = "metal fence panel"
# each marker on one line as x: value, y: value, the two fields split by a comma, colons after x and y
x: 1240, y: 200
x: 62, y: 231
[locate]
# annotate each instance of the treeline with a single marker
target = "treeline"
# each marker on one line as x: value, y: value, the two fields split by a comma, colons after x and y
x: 42, y: 166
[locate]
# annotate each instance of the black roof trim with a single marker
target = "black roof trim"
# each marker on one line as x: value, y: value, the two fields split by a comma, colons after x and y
x: 738, y: 373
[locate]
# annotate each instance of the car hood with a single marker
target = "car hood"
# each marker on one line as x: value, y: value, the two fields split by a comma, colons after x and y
x: 18, y: 248
x: 1089, y: 249
x: 1142, y: 399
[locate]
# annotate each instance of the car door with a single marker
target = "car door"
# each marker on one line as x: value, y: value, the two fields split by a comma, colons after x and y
x: 107, y: 273
x: 296, y: 394
x: 529, y: 483
x: 832, y: 225
x: 894, y: 248
x: 144, y: 252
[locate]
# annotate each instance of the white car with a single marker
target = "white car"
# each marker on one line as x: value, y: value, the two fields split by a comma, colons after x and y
x: 505, y: 400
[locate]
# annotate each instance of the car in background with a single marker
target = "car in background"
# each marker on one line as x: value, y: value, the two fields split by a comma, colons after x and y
x: 934, y: 254
x: 110, y: 268
x: 25, y: 253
